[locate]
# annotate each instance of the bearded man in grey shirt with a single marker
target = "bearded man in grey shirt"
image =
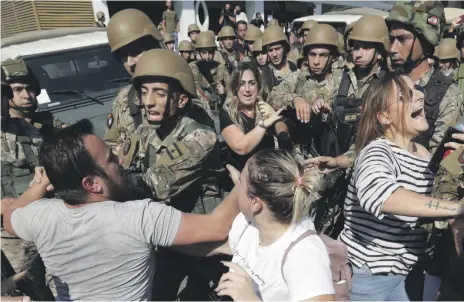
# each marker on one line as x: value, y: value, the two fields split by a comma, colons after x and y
x: 96, y: 244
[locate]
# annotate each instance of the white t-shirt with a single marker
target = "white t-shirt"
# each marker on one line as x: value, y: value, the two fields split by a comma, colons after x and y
x: 306, y: 268
x: 101, y: 251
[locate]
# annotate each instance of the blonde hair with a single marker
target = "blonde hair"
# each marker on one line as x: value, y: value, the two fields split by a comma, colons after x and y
x: 376, y: 100
x: 232, y: 103
x: 281, y: 182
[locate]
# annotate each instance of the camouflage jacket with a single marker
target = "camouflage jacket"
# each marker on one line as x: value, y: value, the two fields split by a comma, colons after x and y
x: 283, y: 73
x: 229, y: 60
x: 174, y: 165
x: 449, y: 105
x: 460, y: 78
x: 220, y: 76
x: 359, y: 87
x: 300, y: 84
x: 12, y: 150
x: 120, y: 123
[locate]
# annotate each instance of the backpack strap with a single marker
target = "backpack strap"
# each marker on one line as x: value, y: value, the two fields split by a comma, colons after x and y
x: 344, y: 84
x: 301, y: 237
x: 134, y: 110
x: 26, y: 142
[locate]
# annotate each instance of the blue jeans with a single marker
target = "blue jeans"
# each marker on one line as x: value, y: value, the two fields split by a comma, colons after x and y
x: 367, y: 287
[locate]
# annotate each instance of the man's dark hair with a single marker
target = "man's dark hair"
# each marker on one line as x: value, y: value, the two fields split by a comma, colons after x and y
x: 67, y: 162
x: 243, y: 22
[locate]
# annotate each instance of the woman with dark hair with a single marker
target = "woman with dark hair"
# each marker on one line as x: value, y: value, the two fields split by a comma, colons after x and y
x: 242, y: 125
x: 388, y: 191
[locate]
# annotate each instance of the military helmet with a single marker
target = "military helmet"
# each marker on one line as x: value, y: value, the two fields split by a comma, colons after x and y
x: 167, y: 37
x: 253, y: 33
x: 370, y: 29
x: 129, y: 25
x: 205, y: 40
x: 16, y: 71
x: 307, y: 25
x: 427, y: 18
x: 273, y: 34
x: 274, y: 22
x: 185, y: 45
x: 226, y: 31
x: 322, y: 34
x: 167, y: 64
x: 258, y: 45
x: 100, y: 15
x: 192, y: 28
x: 447, y: 50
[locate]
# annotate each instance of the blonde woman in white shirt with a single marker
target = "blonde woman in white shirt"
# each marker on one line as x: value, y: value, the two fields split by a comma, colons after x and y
x: 274, y: 195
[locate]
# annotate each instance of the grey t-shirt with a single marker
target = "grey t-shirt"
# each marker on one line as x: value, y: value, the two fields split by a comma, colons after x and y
x: 101, y: 251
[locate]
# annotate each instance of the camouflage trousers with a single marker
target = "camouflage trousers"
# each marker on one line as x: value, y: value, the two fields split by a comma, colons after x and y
x: 23, y: 256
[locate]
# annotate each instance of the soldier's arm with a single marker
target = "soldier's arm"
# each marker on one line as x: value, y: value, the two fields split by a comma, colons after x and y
x: 451, y: 102
x: 114, y: 134
x: 284, y: 94
x: 195, y: 72
x: 180, y: 165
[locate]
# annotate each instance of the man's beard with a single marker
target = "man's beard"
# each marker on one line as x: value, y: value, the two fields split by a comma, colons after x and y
x: 132, y: 188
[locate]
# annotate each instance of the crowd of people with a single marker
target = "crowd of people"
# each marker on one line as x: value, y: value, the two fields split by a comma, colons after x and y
x: 261, y: 165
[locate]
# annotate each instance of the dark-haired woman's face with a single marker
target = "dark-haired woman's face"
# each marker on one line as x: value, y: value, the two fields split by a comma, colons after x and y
x: 411, y: 112
x: 248, y: 91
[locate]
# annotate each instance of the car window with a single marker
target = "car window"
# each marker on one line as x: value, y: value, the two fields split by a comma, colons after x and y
x: 86, y: 69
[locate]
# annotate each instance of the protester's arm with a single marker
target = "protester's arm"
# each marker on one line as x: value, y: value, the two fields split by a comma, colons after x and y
x: 204, y: 249
x: 221, y: 19
x: 177, y: 25
x: 163, y: 23
x: 35, y: 192
x: 231, y: 18
x: 195, y: 228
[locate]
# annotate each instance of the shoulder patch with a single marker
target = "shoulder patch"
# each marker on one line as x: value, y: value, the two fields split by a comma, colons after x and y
x: 173, y: 154
x: 109, y: 121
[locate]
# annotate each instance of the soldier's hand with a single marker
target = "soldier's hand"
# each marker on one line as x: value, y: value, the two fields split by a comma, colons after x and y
x: 453, y: 145
x: 302, y: 109
x: 325, y: 164
x: 276, y: 116
x: 220, y: 88
x: 320, y: 106
x: 265, y: 109
x: 10, y: 284
x: 41, y: 177
x: 233, y: 173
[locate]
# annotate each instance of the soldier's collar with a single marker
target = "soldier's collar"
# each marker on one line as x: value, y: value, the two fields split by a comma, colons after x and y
x: 423, y: 81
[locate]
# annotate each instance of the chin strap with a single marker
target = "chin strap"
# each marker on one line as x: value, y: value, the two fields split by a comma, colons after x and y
x: 409, y: 64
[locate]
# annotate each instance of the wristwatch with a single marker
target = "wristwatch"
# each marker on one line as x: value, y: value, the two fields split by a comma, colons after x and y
x: 261, y: 124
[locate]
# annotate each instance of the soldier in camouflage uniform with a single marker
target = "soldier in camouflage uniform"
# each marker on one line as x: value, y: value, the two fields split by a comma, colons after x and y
x: 24, y: 103
x: 130, y: 33
x: 251, y: 35
x: 449, y: 58
x: 305, y: 28
x: 415, y: 29
x: 186, y: 50
x: 19, y: 143
x: 276, y: 44
x: 193, y: 31
x: 169, y: 41
x: 178, y: 156
x: 228, y: 55
x: 211, y: 76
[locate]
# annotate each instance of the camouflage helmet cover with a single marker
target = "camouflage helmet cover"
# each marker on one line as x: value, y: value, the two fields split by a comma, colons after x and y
x: 129, y: 25
x: 192, y: 27
x: 253, y: 33
x: 16, y: 71
x: 427, y: 18
x: 370, y: 28
x: 185, y: 45
x: 226, y: 31
x: 205, y: 40
x: 447, y: 49
x: 165, y: 64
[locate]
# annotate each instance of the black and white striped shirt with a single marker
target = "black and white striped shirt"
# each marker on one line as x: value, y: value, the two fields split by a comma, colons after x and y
x: 386, y: 243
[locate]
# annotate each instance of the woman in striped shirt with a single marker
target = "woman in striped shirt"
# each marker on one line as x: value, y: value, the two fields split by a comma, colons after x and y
x: 388, y: 191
